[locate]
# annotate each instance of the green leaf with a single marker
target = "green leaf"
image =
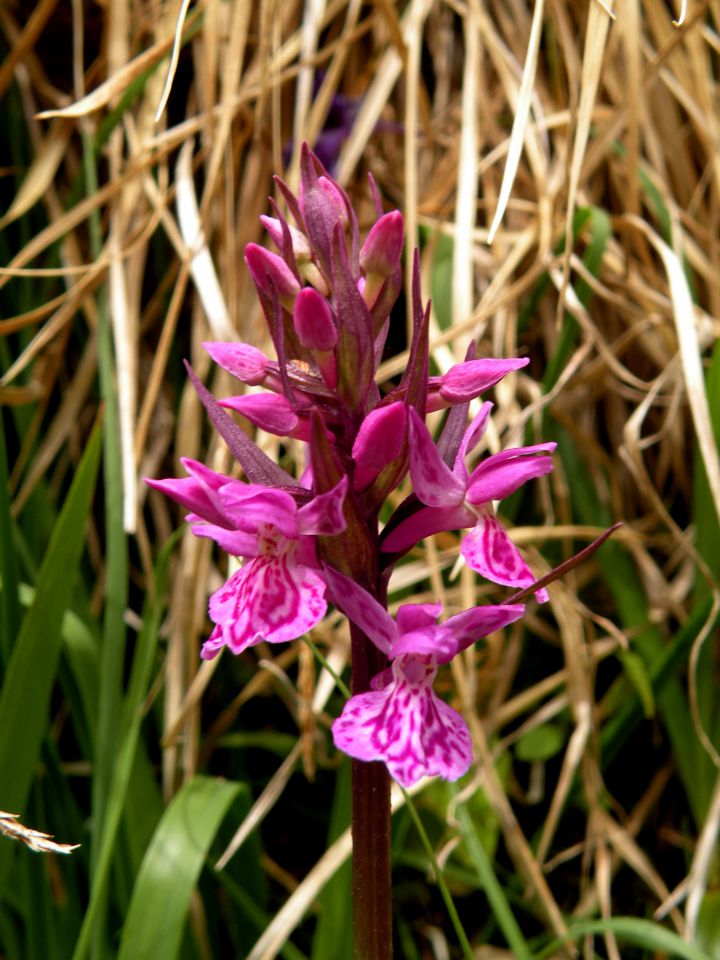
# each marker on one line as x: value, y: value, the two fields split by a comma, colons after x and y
x: 641, y: 933
x: 9, y: 602
x: 541, y: 743
x: 28, y: 684
x: 171, y: 867
x: 333, y: 934
x: 637, y: 673
x: 493, y: 888
x: 707, y: 932
x: 126, y: 742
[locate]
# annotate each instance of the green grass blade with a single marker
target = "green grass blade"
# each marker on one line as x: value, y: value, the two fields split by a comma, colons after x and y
x: 333, y: 934
x: 9, y: 600
x: 170, y: 870
x: 492, y: 887
x: 124, y: 755
x: 641, y: 933
x: 28, y: 683
x: 439, y: 878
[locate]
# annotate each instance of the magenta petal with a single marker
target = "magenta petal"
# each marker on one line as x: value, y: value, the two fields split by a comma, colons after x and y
x: 380, y: 437
x: 324, y: 515
x: 271, y: 412
x: 213, y: 645
x: 471, y: 625
x: 503, y: 473
x: 237, y: 542
x: 407, y: 726
x: 243, y: 361
x: 189, y: 493
x: 415, y: 616
x: 424, y: 523
x: 490, y: 552
x: 250, y: 506
x: 270, y: 598
x: 469, y: 379
x: 362, y: 609
x: 434, y: 641
x: 471, y: 438
x: 433, y: 481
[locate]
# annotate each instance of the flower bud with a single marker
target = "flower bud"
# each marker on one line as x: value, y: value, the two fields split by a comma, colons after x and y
x: 313, y: 321
x: 379, y: 441
x: 315, y: 327
x: 381, y: 252
x: 270, y: 273
x: 301, y: 247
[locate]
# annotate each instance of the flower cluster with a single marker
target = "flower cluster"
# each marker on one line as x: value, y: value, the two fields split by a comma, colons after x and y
x: 327, y: 299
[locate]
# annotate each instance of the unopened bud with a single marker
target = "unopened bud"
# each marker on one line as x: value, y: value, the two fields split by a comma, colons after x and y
x: 271, y: 274
x: 300, y: 245
x: 381, y: 252
x: 313, y: 321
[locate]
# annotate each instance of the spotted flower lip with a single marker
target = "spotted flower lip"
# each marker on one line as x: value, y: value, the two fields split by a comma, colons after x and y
x: 278, y: 594
x: 456, y: 498
x: 401, y: 721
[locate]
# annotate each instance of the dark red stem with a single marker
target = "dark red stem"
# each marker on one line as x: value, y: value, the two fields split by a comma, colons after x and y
x: 372, y: 887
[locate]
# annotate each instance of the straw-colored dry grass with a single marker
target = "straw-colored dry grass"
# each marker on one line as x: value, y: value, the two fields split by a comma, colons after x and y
x: 559, y: 166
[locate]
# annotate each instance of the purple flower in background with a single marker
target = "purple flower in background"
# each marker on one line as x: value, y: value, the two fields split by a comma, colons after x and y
x: 278, y: 594
x: 402, y: 721
x: 456, y: 498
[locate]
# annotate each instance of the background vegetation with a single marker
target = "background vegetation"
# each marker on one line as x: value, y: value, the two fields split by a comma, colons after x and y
x: 593, y: 140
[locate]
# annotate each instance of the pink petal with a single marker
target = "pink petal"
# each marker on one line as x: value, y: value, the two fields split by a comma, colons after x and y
x: 424, y: 523
x: 407, y: 726
x: 379, y: 440
x: 472, y: 625
x: 435, y: 642
x: 503, y: 473
x: 415, y: 616
x: 362, y: 609
x: 434, y: 483
x: 249, y: 506
x: 469, y: 379
x: 324, y: 515
x: 271, y: 599
x: 490, y: 552
x: 189, y: 494
x: 237, y: 542
x: 213, y: 645
x: 471, y: 438
x: 243, y: 361
x: 271, y: 412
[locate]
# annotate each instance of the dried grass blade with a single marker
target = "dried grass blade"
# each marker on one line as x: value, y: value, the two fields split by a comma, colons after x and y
x: 202, y: 269
x: 596, y: 32
x: 522, y: 112
x: 41, y: 173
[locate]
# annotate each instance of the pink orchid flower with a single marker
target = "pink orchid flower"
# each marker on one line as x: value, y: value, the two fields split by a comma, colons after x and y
x: 402, y: 721
x: 456, y: 498
x: 277, y: 595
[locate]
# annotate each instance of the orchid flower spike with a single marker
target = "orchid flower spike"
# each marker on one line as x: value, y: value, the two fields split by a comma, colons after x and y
x: 402, y: 721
